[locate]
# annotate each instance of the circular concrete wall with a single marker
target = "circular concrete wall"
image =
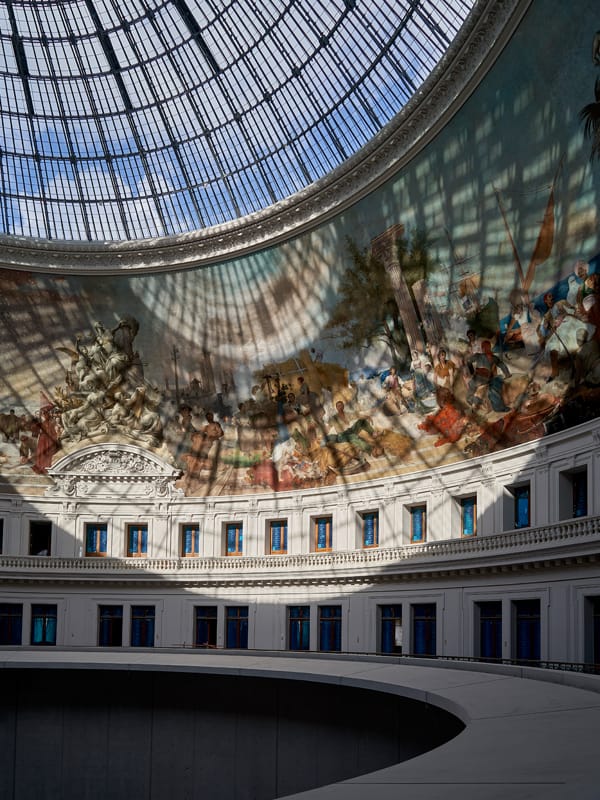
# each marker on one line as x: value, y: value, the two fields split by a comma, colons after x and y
x: 67, y: 733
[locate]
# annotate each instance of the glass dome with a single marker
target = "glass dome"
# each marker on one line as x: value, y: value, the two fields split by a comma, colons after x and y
x: 130, y: 119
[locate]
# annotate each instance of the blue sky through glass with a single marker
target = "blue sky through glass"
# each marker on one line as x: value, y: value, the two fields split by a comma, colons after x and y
x: 129, y: 119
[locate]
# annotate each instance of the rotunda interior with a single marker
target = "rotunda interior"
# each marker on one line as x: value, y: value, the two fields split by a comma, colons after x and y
x: 300, y: 319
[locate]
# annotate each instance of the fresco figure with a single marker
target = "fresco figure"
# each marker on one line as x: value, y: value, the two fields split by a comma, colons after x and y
x: 86, y: 419
x: 10, y: 425
x: 202, y: 444
x: 559, y: 327
x: 449, y: 422
x: 394, y: 402
x: 47, y: 443
x: 587, y: 360
x: 510, y: 333
x: 587, y: 306
x: 486, y: 382
x: 444, y: 374
x: 346, y: 429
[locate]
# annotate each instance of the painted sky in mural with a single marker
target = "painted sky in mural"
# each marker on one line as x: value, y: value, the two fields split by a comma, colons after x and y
x: 452, y: 313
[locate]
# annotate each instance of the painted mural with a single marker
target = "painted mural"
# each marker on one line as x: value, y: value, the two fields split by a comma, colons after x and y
x: 453, y: 313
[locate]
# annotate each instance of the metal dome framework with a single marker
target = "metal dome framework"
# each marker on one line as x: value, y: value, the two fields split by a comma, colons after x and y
x: 132, y: 119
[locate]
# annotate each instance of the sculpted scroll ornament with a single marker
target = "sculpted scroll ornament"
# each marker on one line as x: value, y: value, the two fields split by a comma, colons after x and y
x: 113, y: 470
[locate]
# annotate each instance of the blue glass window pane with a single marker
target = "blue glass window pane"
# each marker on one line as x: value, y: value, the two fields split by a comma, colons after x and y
x: 11, y: 623
x: 391, y: 629
x: 236, y: 627
x: 490, y: 629
x: 43, y: 624
x: 330, y: 628
x: 596, y: 630
x: 206, y: 626
x: 528, y: 630
x: 96, y: 539
x: 191, y: 539
x: 244, y: 633
x: 234, y: 539
x: 468, y: 516
x: 417, y: 520
x: 138, y: 539
x: 37, y: 635
x: 323, y: 533
x: 424, y: 629
x: 110, y: 633
x: 278, y: 536
x: 370, y: 524
x: 522, y: 507
x: 299, y: 627
x: 142, y: 626
x: 580, y: 494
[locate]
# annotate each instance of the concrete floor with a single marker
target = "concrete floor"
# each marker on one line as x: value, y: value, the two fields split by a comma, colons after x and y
x: 529, y: 733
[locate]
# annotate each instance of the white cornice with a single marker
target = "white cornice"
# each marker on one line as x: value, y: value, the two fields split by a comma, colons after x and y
x: 471, y: 55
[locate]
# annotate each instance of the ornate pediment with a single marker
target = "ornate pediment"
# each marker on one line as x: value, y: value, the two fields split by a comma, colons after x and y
x: 115, y: 470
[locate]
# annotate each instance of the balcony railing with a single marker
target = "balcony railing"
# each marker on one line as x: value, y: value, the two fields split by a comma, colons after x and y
x: 562, y: 539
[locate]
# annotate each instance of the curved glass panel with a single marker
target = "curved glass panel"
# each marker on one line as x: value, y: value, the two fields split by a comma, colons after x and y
x: 127, y: 119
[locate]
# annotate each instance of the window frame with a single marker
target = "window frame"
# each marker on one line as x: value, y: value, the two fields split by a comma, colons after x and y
x: 519, y: 492
x: 193, y: 528
x: 592, y: 631
x: 580, y: 486
x: 298, y: 627
x: 48, y: 534
x: 328, y: 534
x: 240, y: 623
x: 390, y: 620
x: 330, y: 628
x: 364, y: 518
x: 101, y: 532
x: 142, y: 549
x: 111, y: 634
x: 147, y: 624
x: 211, y: 622
x: 485, y: 618
x: 237, y: 529
x: 11, y: 633
x: 49, y: 619
x: 429, y: 625
x: 422, y: 508
x: 464, y: 518
x: 534, y: 634
x: 283, y: 523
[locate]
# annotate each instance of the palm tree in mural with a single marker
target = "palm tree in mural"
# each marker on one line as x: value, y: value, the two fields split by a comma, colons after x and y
x: 366, y: 311
x: 590, y: 117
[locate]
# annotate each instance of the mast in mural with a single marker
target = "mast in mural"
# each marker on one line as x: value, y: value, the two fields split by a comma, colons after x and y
x: 464, y: 289
x: 545, y: 239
